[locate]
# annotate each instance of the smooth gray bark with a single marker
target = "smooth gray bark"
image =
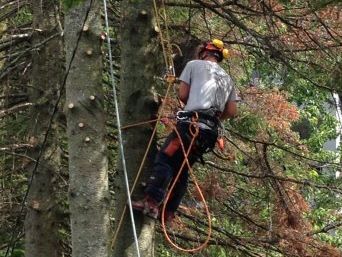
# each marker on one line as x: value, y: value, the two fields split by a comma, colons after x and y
x: 140, y: 62
x: 88, y: 166
x: 41, y: 228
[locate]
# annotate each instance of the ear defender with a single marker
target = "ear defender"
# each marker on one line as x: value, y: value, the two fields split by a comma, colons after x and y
x: 220, y: 45
x: 225, y: 53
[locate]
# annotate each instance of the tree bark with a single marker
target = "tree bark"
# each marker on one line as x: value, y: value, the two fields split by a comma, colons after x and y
x: 140, y: 62
x: 88, y: 166
x: 41, y: 237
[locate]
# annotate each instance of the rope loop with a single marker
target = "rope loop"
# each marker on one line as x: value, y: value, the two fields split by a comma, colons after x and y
x: 193, y: 125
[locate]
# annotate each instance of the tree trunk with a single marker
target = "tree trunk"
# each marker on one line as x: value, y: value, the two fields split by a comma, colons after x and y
x: 88, y: 166
x: 41, y: 238
x: 139, y: 64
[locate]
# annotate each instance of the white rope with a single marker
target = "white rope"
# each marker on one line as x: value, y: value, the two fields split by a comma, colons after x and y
x: 119, y: 129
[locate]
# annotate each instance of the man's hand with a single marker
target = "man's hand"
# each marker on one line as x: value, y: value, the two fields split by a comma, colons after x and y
x: 230, y: 110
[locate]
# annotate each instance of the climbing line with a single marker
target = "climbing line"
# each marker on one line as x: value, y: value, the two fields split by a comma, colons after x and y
x: 194, y: 133
x: 167, y: 36
x: 122, y: 152
x: 144, y: 122
x: 138, y: 124
x: 162, y: 40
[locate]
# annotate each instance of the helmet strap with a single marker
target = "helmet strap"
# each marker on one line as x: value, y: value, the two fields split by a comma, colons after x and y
x: 206, y: 54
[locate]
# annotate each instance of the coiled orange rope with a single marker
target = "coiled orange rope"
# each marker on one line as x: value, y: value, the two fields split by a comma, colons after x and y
x: 194, y: 131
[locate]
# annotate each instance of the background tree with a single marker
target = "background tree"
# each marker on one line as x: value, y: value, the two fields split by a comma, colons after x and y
x: 29, y: 137
x: 88, y: 167
x: 41, y: 226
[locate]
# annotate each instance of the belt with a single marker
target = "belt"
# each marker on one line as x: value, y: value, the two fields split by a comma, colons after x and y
x: 203, y: 118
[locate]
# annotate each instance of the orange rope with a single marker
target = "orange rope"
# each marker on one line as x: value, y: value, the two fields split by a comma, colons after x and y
x: 146, y: 122
x: 193, y: 125
x: 138, y: 124
x: 194, y: 133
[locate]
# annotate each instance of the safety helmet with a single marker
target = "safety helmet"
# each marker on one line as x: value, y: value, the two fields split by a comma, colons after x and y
x: 216, y: 47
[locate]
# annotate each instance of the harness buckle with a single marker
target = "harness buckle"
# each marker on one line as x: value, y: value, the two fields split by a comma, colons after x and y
x: 182, y: 115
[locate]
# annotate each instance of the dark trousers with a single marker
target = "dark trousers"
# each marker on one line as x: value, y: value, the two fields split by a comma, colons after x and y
x: 169, y: 161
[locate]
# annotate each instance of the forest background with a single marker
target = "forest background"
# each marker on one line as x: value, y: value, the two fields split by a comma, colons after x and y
x: 273, y: 191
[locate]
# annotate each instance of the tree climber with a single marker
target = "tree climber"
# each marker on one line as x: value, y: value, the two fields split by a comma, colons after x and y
x: 208, y: 93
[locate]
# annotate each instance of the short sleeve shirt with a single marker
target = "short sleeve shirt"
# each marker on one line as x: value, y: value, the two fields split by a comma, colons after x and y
x: 210, y: 86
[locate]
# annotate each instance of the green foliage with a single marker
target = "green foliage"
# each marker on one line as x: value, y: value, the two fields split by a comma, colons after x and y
x: 248, y: 124
x: 18, y: 252
x: 71, y: 3
x: 23, y: 16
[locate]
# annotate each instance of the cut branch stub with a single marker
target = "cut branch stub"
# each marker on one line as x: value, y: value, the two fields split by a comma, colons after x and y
x: 85, y: 28
x: 89, y: 51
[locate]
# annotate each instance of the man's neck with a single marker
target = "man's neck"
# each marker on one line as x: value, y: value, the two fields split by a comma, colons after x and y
x: 210, y: 58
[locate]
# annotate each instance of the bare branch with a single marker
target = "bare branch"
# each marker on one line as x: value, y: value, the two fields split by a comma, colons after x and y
x: 16, y: 147
x: 280, y: 178
x: 14, y: 109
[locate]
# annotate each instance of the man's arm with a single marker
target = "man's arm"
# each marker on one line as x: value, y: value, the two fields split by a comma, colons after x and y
x: 183, y: 91
x: 230, y: 110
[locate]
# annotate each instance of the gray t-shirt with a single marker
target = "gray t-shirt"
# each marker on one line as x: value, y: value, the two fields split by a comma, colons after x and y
x: 210, y: 86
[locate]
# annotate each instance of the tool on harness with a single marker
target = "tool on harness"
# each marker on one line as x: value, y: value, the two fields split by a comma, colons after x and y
x: 220, y: 138
x: 215, y: 46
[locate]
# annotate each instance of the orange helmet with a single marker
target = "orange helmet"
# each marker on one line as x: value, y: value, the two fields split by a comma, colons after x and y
x: 216, y: 47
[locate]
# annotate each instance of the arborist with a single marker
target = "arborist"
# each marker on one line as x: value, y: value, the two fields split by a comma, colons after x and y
x: 209, y: 96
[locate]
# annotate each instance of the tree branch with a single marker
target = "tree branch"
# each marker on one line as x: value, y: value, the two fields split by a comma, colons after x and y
x: 14, y: 109
x: 326, y: 228
x: 16, y: 147
x: 285, y: 179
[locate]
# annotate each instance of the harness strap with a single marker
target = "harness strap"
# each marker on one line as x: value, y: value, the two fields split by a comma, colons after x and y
x: 210, y: 121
